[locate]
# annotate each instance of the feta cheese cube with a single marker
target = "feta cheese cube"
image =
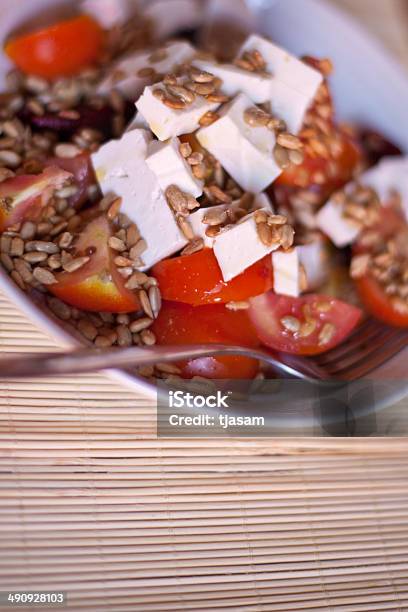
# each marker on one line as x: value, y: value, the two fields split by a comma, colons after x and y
x: 235, y: 80
x: 239, y: 247
x: 170, y: 167
x: 245, y: 152
x: 109, y: 13
x: 138, y: 123
x: 286, y: 272
x: 196, y: 218
x: 172, y: 16
x: 121, y: 169
x: 166, y: 122
x: 293, y: 83
x: 315, y: 258
x: 389, y: 175
x: 124, y: 74
x: 330, y: 221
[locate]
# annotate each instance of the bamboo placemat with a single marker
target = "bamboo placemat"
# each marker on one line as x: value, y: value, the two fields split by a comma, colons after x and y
x: 93, y: 504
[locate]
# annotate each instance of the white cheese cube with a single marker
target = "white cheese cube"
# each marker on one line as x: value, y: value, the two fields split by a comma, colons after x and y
x: 245, y: 152
x: 315, y: 258
x: 238, y: 248
x: 286, y: 272
x: 124, y: 74
x: 121, y: 169
x: 172, y: 16
x: 261, y: 200
x: 138, y: 123
x: 293, y: 83
x: 330, y: 221
x: 109, y: 13
x: 167, y: 122
x: 170, y: 167
x: 235, y: 80
x: 390, y: 174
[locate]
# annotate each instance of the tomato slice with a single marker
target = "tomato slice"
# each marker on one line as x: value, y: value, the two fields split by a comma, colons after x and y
x: 382, y: 306
x: 387, y: 308
x: 25, y: 194
x: 62, y: 49
x: 307, y: 325
x: 333, y: 171
x: 82, y: 170
x: 184, y: 324
x: 97, y: 286
x: 196, y: 279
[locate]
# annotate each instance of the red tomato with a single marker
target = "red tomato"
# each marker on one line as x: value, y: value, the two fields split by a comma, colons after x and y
x: 372, y: 293
x: 184, y: 324
x: 84, y: 176
x: 62, y: 49
x: 196, y: 279
x: 324, y: 322
x: 97, y: 286
x: 344, y: 164
x: 379, y: 304
x: 25, y: 194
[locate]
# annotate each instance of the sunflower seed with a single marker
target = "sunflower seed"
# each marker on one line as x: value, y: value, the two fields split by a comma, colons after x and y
x: 17, y: 279
x: 44, y: 276
x: 67, y: 150
x: 16, y: 247
x: 10, y: 158
x: 326, y: 333
x: 24, y: 269
x: 116, y: 244
x: 75, y: 264
x: 28, y: 230
x: 155, y: 300
x: 195, y: 245
x: 114, y: 209
x: 147, y: 337
x: 185, y: 150
x: 215, y: 217
x: 34, y: 257
x: 287, y: 236
x: 5, y: 243
x: 124, y: 335
x: 7, y: 261
x: 290, y: 323
x: 281, y: 156
x: 59, y: 308
x: 140, y: 324
x: 42, y: 246
x: 200, y: 76
x: 208, y: 118
x: 264, y: 234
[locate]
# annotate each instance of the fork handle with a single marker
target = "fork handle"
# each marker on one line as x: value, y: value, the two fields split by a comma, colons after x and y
x: 93, y: 360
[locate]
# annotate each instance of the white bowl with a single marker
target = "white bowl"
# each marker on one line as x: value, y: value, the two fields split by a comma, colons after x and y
x: 369, y: 87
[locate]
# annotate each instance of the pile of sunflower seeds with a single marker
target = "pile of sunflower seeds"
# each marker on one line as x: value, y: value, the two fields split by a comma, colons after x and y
x: 360, y: 205
x: 274, y: 229
x: 252, y: 61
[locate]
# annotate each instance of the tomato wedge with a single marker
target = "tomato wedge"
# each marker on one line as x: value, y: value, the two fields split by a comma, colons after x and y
x: 83, y: 173
x: 307, y: 325
x: 184, y: 324
x: 389, y: 309
x: 97, y: 286
x: 26, y: 194
x: 196, y: 279
x: 62, y: 49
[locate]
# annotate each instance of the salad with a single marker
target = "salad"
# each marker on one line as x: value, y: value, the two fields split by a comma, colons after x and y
x: 182, y: 190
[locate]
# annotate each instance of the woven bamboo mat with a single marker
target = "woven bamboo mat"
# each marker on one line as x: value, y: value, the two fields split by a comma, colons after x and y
x: 94, y: 505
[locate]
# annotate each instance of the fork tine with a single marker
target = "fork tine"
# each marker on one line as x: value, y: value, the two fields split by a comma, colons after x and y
x: 363, y: 334
x: 371, y: 357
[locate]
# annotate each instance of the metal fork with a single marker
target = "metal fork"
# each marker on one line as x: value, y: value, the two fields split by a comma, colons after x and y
x: 366, y: 349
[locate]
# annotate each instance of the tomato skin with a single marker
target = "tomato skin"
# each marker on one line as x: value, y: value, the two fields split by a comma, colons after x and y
x: 378, y: 303
x: 62, y: 49
x: 97, y: 286
x: 266, y: 312
x: 179, y: 323
x: 301, y: 176
x: 370, y: 291
x: 82, y: 170
x: 197, y: 280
